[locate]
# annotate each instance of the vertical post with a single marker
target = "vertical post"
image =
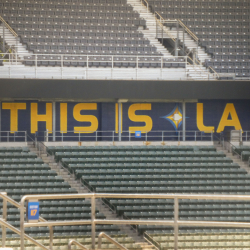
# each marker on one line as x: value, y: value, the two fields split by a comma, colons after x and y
x: 4, y: 218
x: 79, y: 137
x: 176, y: 217
x: 54, y: 120
x: 177, y: 39
x: 211, y: 135
x: 3, y: 38
x: 61, y: 66
x: 25, y: 136
x: 120, y: 121
x: 0, y: 120
x: 195, y: 136
x: 129, y: 135
x: 93, y: 221
x: 62, y: 135
x: 47, y: 135
x: 22, y: 232
x: 51, y: 237
x: 184, y: 120
x: 162, y: 136
x: 8, y: 134
x: 16, y: 47
x: 113, y: 135
x: 35, y: 65
x: 95, y: 135
x: 162, y: 34
x: 183, y: 42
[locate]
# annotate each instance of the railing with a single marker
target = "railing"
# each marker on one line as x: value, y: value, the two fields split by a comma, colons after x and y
x: 5, y: 225
x: 149, y: 239
x: 89, y: 60
x: 145, y: 2
x: 74, y: 242
x: 8, y: 27
x: 103, y: 235
x: 161, y: 21
x: 246, y: 136
x: 167, y: 135
x: 13, y: 136
x: 93, y: 221
x: 199, y: 65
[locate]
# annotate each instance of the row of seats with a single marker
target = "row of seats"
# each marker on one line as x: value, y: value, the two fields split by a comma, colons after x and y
x: 30, y: 175
x: 60, y: 155
x: 215, y: 20
x: 53, y: 149
x: 70, y: 19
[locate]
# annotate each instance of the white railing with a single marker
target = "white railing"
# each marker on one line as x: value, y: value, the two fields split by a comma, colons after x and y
x: 93, y: 221
x: 125, y: 135
x: 246, y: 136
x: 89, y: 60
x: 13, y: 136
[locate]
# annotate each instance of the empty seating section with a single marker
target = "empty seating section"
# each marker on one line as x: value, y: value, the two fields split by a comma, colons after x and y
x: 160, y: 169
x: 22, y: 173
x: 222, y: 27
x: 244, y: 151
x: 62, y: 242
x: 101, y: 27
x: 219, y: 240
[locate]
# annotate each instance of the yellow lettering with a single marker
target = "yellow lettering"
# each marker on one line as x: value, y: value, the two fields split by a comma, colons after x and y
x: 85, y: 118
x: 199, y: 119
x: 14, y: 107
x: 224, y: 122
x: 140, y: 118
x: 63, y: 117
x: 35, y: 117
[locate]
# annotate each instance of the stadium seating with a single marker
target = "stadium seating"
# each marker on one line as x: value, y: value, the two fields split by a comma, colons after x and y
x: 221, y: 26
x: 79, y: 27
x: 22, y: 173
x: 244, y: 151
x: 160, y: 169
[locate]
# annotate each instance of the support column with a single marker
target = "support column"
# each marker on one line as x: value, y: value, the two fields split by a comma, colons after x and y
x: 184, y: 121
x: 177, y: 39
x: 0, y: 120
x: 3, y: 38
x: 183, y: 42
x: 54, y: 120
x: 120, y: 120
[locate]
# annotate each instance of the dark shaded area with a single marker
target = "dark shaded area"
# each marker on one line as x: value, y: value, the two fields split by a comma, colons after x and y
x: 115, y: 89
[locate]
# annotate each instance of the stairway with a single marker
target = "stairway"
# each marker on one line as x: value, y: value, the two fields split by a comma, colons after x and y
x: 235, y: 158
x: 198, y: 72
x: 103, y: 208
x: 150, y: 31
x: 190, y: 43
x: 11, y: 40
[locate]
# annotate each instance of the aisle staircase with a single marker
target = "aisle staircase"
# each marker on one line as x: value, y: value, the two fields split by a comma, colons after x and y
x: 140, y: 243
x: 195, y: 72
x: 13, y: 41
x: 150, y: 31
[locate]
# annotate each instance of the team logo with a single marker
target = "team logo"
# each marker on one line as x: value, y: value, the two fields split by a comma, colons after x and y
x: 175, y: 117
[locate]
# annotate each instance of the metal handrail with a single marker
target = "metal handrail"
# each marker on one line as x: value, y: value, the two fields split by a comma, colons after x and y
x: 103, y: 235
x: 27, y: 237
x: 8, y: 27
x: 93, y: 221
x: 74, y: 242
x: 200, y: 66
x: 145, y: 1
x: 162, y: 26
x: 17, y: 205
x: 188, y: 30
